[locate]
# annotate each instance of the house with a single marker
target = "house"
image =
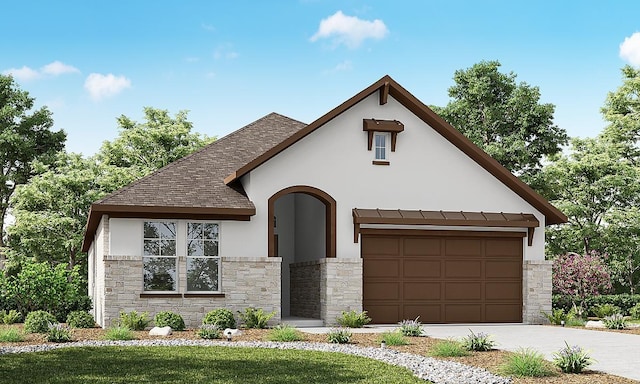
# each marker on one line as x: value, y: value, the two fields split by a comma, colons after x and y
x: 378, y: 205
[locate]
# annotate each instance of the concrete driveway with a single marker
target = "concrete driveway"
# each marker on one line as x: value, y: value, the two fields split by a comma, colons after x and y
x: 615, y: 353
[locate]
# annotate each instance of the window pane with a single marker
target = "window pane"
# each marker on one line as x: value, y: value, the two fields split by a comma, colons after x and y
x: 202, y: 274
x: 167, y: 230
x: 168, y: 247
x: 380, y: 140
x: 195, y: 248
x: 211, y: 231
x: 194, y: 230
x: 159, y: 273
x: 151, y: 247
x: 210, y: 248
x: 151, y: 230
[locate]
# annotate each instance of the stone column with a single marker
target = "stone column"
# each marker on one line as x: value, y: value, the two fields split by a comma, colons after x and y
x: 536, y: 290
x: 340, y: 287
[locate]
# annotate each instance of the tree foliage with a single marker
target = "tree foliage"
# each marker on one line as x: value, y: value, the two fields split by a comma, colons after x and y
x: 580, y: 276
x: 25, y: 136
x: 503, y: 118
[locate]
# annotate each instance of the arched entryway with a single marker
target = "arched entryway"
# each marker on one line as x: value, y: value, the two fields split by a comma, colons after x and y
x: 302, y: 221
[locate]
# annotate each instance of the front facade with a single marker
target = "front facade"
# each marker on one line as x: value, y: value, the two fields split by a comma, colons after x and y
x: 379, y: 205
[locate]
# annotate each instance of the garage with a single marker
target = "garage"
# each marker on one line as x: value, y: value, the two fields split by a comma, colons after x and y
x: 442, y: 276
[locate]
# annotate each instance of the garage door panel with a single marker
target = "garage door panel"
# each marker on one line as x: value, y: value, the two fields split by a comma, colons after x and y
x: 421, y: 291
x: 384, y: 314
x: 503, y: 313
x: 429, y: 313
x: 422, y: 268
x: 463, y: 313
x: 503, y: 268
x: 380, y: 245
x: 503, y: 247
x: 422, y: 246
x: 382, y: 268
x: 462, y: 291
x: 463, y: 247
x: 503, y: 291
x: 463, y: 268
x: 381, y: 291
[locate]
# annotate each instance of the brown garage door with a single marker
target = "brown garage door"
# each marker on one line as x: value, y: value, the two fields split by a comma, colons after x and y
x: 442, y: 276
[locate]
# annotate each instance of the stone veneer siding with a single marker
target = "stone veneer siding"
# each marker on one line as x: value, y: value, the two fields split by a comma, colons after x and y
x: 340, y: 287
x: 305, y: 289
x: 245, y: 282
x: 536, y: 290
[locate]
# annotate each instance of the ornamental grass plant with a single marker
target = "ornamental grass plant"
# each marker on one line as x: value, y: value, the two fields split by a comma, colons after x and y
x: 572, y: 359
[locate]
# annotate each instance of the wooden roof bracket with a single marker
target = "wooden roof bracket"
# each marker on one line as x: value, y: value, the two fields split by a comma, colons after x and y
x: 530, y: 232
x: 384, y: 93
x: 392, y: 126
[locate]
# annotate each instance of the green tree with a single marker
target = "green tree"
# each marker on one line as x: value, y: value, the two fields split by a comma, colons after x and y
x: 145, y: 147
x: 25, y: 136
x: 503, y: 118
x: 622, y: 111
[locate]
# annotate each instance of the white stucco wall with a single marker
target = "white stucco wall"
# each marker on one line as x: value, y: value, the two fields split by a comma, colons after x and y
x: 426, y: 172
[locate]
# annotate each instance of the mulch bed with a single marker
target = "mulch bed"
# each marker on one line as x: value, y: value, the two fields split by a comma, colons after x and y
x: 418, y: 345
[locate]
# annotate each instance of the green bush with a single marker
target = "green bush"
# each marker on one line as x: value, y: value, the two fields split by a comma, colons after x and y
x: 80, y: 319
x: 604, y: 310
x: 134, y: 321
x: 58, y: 333
x: 411, y: 328
x: 572, y: 359
x: 556, y: 317
x: 38, y: 322
x: 255, y: 318
x: 10, y: 317
x: 284, y: 333
x: 353, y: 319
x: 574, y: 322
x: 479, y: 342
x: 449, y: 348
x: 615, y: 321
x: 527, y: 363
x: 10, y: 335
x: 339, y: 336
x: 169, y: 319
x: 393, y: 338
x: 210, y: 331
x: 119, y: 333
x: 222, y: 318
x: 624, y: 301
x: 635, y: 312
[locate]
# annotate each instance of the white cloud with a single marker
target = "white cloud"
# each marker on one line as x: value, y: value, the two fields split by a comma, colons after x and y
x: 58, y: 68
x: 225, y: 51
x: 630, y: 49
x: 350, y: 30
x: 208, y: 27
x: 25, y: 73
x: 192, y: 59
x: 101, y: 86
x: 343, y: 66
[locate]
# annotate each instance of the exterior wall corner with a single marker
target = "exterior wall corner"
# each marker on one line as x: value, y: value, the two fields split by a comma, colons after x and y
x: 536, y: 290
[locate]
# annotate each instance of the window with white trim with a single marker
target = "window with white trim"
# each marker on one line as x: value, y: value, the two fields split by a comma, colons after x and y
x: 203, y: 260
x: 159, y: 256
x: 381, y: 145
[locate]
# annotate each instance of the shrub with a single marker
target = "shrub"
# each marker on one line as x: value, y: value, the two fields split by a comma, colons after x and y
x: 574, y: 322
x: 572, y: 359
x: 210, y: 331
x: 393, y: 338
x: 624, y: 301
x: 615, y: 321
x: 134, y: 321
x: 478, y: 342
x: 222, y: 318
x: 527, y: 363
x: 10, y: 335
x: 38, y: 322
x: 635, y: 312
x: 11, y: 317
x: 284, y: 332
x: 58, y: 333
x: 556, y: 317
x: 580, y: 276
x: 411, y: 327
x: 169, y: 319
x: 339, y: 336
x: 80, y: 319
x: 119, y: 333
x: 604, y: 310
x: 255, y: 318
x: 353, y: 319
x: 449, y: 348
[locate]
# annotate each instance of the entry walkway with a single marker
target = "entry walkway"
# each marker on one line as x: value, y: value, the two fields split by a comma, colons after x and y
x: 615, y: 353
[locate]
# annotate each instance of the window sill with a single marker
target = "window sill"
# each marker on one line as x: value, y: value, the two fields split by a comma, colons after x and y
x: 380, y: 162
x: 159, y: 295
x: 178, y: 295
x: 203, y: 294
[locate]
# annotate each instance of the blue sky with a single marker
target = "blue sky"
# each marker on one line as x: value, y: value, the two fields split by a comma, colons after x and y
x: 230, y: 63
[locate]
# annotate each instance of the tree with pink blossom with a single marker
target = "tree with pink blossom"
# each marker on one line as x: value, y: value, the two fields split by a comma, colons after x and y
x: 580, y: 276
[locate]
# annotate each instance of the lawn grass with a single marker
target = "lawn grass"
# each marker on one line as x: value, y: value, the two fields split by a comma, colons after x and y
x: 219, y: 365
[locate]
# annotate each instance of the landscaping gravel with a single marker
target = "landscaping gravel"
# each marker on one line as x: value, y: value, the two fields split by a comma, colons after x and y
x: 437, y: 371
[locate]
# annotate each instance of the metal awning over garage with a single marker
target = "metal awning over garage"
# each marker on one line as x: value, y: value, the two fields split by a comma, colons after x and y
x: 444, y: 218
